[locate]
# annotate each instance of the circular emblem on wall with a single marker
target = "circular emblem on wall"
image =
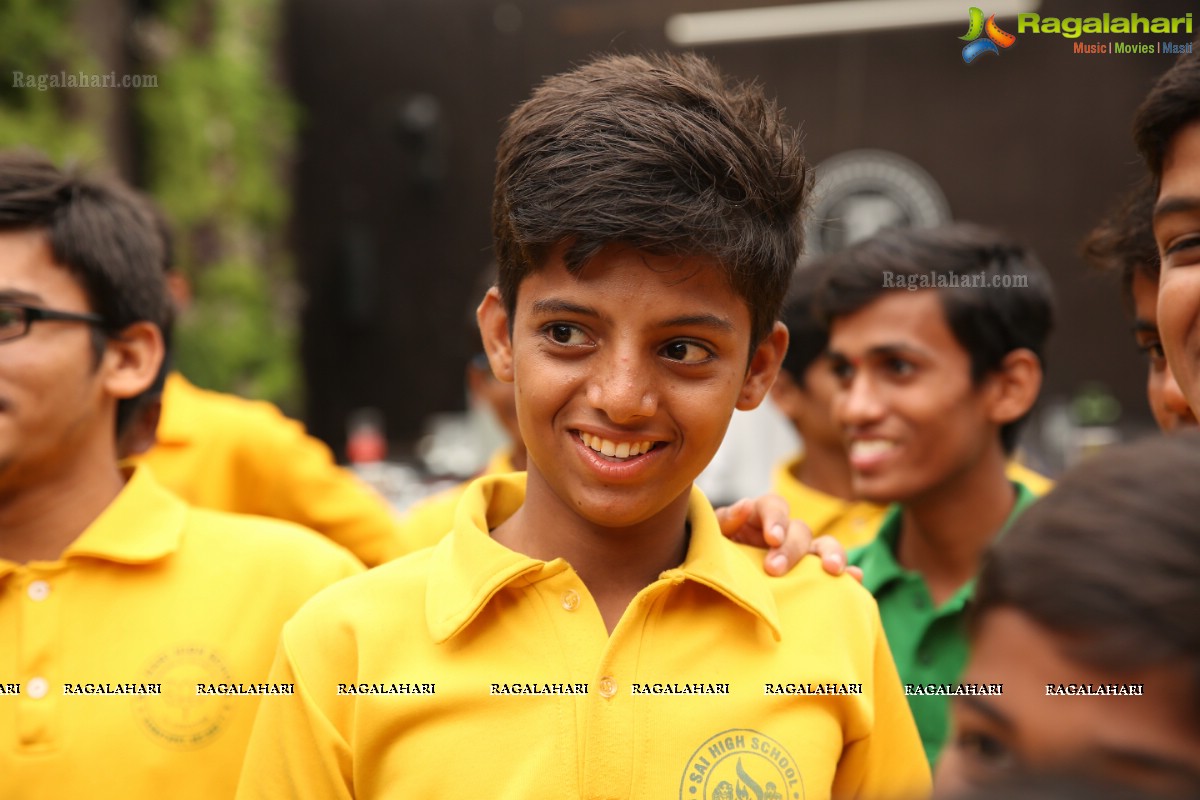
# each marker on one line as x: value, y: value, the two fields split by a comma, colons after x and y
x: 180, y: 718
x: 741, y: 763
x: 859, y: 192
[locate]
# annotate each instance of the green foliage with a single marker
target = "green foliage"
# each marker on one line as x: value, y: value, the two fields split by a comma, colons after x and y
x: 215, y: 138
x: 231, y: 338
x: 35, y: 40
x: 218, y: 135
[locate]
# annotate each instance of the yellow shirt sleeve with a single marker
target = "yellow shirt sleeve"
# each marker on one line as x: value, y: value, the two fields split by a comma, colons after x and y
x: 303, y: 756
x: 889, y: 762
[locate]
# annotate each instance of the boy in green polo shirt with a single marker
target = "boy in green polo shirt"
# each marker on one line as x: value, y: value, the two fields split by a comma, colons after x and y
x: 936, y: 338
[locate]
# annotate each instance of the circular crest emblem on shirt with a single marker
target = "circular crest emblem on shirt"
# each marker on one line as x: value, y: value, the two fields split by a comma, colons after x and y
x: 859, y: 192
x: 741, y: 764
x: 180, y: 718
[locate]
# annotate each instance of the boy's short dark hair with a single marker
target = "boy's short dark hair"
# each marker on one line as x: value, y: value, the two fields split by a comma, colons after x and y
x: 660, y: 153
x: 1008, y: 304
x: 100, y: 231
x: 1173, y: 103
x: 808, y: 336
x: 1124, y: 241
x: 1110, y: 559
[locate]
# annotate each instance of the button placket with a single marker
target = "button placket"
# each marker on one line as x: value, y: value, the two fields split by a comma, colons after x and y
x: 38, y: 660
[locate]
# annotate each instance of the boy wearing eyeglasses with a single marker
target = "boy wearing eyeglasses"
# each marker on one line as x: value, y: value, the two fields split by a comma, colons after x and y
x: 136, y: 632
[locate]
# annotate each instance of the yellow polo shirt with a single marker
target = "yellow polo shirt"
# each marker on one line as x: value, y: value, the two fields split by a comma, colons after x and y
x: 429, y: 520
x: 231, y: 454
x: 853, y: 523
x: 102, y: 651
x: 469, y: 668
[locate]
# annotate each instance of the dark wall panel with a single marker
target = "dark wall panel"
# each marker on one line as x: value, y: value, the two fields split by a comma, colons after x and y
x: 403, y: 102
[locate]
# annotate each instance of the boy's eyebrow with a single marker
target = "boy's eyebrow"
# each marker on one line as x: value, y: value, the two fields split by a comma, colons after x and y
x: 879, y: 350
x: 1144, y: 326
x: 18, y: 296
x: 701, y: 320
x: 986, y: 709
x: 1176, y: 205
x: 557, y: 306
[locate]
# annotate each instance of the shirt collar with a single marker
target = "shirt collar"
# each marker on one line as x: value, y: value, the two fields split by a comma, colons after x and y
x: 143, y: 524
x: 818, y: 509
x: 469, y: 567
x: 878, y: 557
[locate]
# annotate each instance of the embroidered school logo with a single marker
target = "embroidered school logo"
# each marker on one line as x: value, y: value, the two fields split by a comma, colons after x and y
x: 180, y: 719
x: 995, y: 40
x: 741, y: 764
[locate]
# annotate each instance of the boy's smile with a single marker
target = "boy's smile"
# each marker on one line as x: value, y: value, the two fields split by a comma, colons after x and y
x: 626, y: 376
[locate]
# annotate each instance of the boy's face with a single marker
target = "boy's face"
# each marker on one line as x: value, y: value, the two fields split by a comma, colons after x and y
x: 1167, y: 403
x: 911, y: 417
x: 1177, y: 231
x: 626, y: 376
x: 51, y: 392
x: 1151, y: 742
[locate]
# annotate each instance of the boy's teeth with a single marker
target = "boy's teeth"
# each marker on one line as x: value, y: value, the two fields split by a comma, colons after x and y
x: 614, y: 450
x: 871, y: 447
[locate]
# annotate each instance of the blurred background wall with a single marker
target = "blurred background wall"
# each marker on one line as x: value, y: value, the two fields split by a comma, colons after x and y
x: 329, y: 164
x: 402, y: 104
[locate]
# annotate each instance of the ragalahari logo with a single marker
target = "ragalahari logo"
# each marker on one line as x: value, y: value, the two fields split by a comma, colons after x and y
x: 996, y: 38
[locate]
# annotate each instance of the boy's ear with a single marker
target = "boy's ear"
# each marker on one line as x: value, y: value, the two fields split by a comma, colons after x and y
x: 1014, y: 386
x: 764, y: 366
x: 494, y: 329
x: 131, y: 360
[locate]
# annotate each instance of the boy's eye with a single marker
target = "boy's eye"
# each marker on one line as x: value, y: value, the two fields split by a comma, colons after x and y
x: 565, y: 334
x: 10, y: 317
x: 1183, y: 252
x: 1154, y: 353
x: 983, y: 753
x: 841, y: 369
x: 687, y: 352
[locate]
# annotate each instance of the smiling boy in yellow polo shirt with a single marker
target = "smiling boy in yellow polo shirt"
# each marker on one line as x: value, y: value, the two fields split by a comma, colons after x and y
x: 586, y: 631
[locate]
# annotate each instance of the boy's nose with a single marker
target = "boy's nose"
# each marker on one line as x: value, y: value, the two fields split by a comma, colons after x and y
x: 1175, y: 401
x: 858, y: 402
x: 623, y: 388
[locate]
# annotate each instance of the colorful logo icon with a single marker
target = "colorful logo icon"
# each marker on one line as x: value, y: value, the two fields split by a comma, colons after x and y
x: 996, y: 38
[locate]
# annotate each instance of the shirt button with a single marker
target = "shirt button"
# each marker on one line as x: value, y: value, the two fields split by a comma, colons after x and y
x: 608, y: 687
x: 37, y: 688
x: 39, y: 590
x: 570, y: 600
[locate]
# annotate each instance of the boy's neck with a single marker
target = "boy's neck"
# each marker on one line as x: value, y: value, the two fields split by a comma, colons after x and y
x: 613, y: 563
x: 945, y: 531
x: 825, y: 469
x: 40, y: 519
